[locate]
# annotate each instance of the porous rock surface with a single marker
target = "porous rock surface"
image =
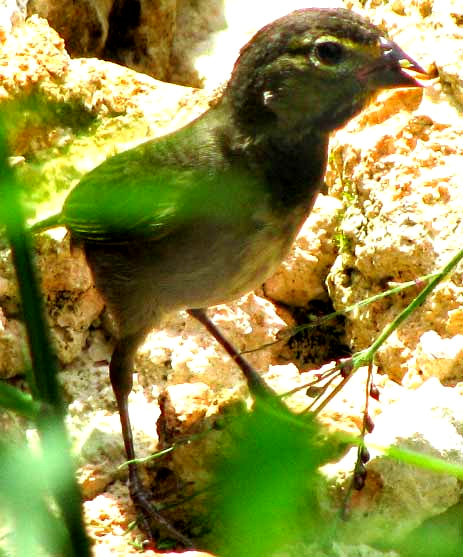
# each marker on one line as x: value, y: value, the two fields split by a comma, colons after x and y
x: 398, y: 167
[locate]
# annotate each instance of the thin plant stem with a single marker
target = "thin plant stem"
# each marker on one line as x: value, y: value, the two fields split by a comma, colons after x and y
x: 21, y: 403
x: 284, y: 335
x: 364, y: 357
x: 43, y: 372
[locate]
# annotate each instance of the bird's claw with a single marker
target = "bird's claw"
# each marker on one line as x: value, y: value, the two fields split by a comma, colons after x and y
x: 149, y: 516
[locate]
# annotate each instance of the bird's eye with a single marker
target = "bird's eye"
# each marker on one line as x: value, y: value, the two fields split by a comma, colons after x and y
x: 329, y: 53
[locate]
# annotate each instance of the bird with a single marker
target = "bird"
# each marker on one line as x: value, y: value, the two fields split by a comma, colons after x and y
x: 205, y: 214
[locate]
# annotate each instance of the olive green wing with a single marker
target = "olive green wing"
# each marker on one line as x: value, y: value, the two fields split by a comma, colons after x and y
x: 129, y: 197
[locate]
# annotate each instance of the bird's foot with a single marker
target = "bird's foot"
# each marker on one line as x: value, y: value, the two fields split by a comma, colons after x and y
x: 150, y: 519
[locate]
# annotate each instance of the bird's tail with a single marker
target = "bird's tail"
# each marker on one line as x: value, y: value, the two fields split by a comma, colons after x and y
x: 51, y: 222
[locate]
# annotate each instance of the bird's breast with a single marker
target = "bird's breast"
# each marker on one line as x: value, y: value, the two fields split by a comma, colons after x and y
x: 221, y: 262
x: 204, y: 263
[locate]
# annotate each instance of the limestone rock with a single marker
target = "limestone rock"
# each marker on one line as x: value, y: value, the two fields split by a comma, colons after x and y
x: 402, y: 204
x: 138, y: 34
x: 12, y: 340
x: 301, y: 277
x: 70, y: 114
x: 189, y: 42
x: 182, y: 350
x: 440, y: 357
x: 399, y: 496
x: 100, y: 452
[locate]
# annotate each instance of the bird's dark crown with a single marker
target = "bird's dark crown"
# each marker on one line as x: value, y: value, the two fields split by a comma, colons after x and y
x: 276, y: 37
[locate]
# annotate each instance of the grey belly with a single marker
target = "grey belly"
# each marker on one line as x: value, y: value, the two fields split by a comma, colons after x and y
x: 196, y: 267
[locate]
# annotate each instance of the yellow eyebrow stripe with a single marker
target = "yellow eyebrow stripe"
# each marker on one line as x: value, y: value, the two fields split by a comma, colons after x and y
x: 371, y: 48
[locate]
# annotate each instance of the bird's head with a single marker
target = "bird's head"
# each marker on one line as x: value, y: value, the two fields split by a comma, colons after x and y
x: 314, y: 68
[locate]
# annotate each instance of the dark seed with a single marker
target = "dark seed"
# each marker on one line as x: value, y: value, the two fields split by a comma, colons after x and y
x: 360, y: 475
x: 364, y: 455
x: 314, y: 391
x: 374, y: 392
x: 369, y: 425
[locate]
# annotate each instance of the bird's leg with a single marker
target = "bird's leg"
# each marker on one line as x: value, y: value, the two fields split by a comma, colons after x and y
x: 257, y: 386
x: 120, y: 370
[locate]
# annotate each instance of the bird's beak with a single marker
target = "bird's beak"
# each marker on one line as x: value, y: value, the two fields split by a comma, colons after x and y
x: 393, y: 67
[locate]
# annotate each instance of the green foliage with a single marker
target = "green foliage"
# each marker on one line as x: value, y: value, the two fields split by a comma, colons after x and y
x: 268, y: 483
x: 28, y: 483
x: 442, y: 536
x: 350, y: 199
x: 342, y: 241
x: 32, y: 122
x: 24, y: 487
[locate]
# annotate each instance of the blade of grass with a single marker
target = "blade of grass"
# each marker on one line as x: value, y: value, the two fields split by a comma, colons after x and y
x: 408, y: 456
x: 50, y: 423
x: 286, y: 334
x: 366, y: 356
x: 19, y: 402
x: 25, y: 473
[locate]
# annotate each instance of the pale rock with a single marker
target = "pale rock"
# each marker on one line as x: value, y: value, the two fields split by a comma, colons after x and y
x: 12, y: 12
x: 399, y: 496
x: 12, y: 345
x: 95, y: 427
x: 100, y: 453
x: 455, y: 321
x: 402, y: 205
x: 185, y: 404
x: 83, y: 26
x: 189, y: 42
x: 106, y: 108
x: 440, y: 357
x: 285, y: 378
x: 93, y: 401
x: 188, y: 412
x: 72, y: 301
x: 107, y: 521
x: 182, y: 350
x: 139, y: 37
x: 68, y: 343
x: 301, y: 277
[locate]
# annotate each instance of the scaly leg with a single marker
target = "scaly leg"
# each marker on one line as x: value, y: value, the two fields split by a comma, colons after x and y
x: 120, y: 370
x: 257, y: 386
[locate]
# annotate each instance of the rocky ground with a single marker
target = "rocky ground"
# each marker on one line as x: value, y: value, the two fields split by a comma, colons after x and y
x: 391, y: 214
